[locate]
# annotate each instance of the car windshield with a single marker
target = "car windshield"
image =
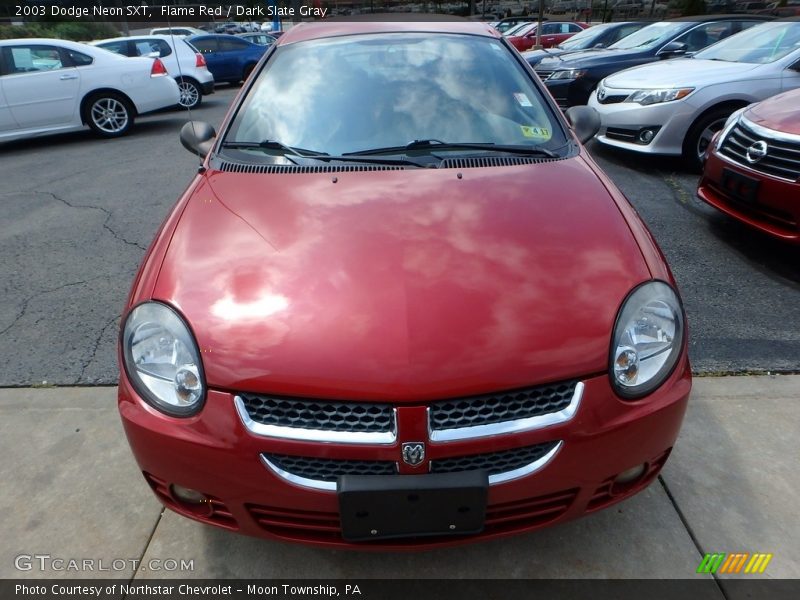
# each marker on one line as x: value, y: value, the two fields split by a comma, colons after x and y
x: 762, y: 44
x: 368, y: 92
x: 515, y: 29
x: 586, y: 38
x: 651, y: 36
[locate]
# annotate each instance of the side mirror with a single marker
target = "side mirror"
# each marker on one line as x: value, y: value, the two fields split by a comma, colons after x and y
x: 585, y: 122
x: 198, y: 137
x: 673, y: 49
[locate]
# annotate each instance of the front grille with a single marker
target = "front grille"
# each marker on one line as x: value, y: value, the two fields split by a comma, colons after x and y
x: 544, y: 74
x: 322, y: 415
x: 501, y: 407
x: 612, y: 98
x: 494, y: 463
x: 782, y: 159
x: 329, y: 469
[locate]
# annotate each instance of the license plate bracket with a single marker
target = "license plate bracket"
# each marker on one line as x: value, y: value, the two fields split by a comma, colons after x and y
x: 374, y: 507
x: 740, y: 187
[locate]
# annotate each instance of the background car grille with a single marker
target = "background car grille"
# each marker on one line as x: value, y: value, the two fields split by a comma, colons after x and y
x: 493, y: 462
x: 613, y: 98
x: 328, y: 469
x: 782, y: 159
x: 501, y: 407
x: 319, y: 414
x: 544, y: 74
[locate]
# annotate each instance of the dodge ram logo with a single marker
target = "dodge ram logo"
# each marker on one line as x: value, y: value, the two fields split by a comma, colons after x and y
x: 413, y: 453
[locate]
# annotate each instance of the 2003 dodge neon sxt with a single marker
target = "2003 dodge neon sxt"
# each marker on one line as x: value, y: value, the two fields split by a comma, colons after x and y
x: 399, y: 305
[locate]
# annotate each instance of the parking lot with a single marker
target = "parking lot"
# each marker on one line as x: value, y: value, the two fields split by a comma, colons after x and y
x: 78, y: 214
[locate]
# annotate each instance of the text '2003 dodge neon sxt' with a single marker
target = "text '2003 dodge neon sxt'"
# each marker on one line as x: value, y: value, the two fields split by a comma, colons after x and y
x: 399, y: 306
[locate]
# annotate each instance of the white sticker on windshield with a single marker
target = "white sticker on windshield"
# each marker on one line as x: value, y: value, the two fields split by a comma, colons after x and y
x: 522, y: 99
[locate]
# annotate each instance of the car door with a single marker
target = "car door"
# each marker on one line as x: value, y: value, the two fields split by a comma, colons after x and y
x: 40, y: 87
x: 235, y: 51
x: 215, y: 60
x: 550, y: 34
x: 7, y: 122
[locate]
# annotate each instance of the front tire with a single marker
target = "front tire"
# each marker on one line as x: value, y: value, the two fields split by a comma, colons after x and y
x: 109, y: 115
x: 699, y: 136
x: 191, y: 95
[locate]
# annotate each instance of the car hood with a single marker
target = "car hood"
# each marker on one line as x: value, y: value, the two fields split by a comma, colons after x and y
x: 778, y: 113
x: 681, y: 72
x: 585, y: 59
x: 405, y: 284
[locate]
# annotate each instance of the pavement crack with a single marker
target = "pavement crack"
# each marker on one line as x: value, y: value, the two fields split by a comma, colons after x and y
x: 95, y: 348
x: 146, y: 546
x: 689, y: 530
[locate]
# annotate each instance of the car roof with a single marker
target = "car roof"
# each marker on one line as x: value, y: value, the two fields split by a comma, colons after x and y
x: 335, y: 28
x: 735, y: 17
x: 155, y: 36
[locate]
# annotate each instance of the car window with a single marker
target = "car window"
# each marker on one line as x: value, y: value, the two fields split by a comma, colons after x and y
x: 79, y: 59
x: 763, y: 44
x: 705, y: 35
x: 205, y: 45
x: 32, y: 58
x: 573, y: 28
x: 368, y: 91
x: 624, y: 31
x: 145, y: 47
x: 232, y: 44
x: 118, y: 46
x: 651, y: 36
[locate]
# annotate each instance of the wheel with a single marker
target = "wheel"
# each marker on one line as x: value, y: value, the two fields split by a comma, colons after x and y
x: 700, y: 134
x: 109, y: 114
x: 190, y: 93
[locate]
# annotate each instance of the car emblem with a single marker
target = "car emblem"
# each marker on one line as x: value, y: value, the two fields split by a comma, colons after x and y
x: 413, y: 453
x: 756, y: 152
x: 601, y: 94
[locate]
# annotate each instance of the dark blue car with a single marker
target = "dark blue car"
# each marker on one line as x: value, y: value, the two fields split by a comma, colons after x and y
x: 229, y: 58
x: 572, y: 78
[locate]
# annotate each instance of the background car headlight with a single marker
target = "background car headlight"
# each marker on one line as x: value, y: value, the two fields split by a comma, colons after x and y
x: 647, y: 340
x: 567, y: 74
x: 645, y: 97
x: 162, y: 360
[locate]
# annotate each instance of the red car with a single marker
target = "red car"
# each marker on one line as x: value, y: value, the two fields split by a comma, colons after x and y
x: 752, y: 168
x: 399, y: 306
x: 553, y: 33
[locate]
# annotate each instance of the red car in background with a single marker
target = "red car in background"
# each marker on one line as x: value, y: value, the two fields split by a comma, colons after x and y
x: 553, y: 33
x: 752, y: 168
x: 400, y: 306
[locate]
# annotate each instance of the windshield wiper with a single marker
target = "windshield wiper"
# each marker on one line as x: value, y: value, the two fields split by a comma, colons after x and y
x: 433, y: 144
x: 272, y: 145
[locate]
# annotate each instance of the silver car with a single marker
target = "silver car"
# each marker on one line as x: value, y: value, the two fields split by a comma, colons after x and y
x: 675, y: 107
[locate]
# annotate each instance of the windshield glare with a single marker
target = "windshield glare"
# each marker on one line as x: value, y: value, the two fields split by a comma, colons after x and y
x: 364, y: 92
x: 586, y: 38
x: 650, y: 36
x: 762, y: 44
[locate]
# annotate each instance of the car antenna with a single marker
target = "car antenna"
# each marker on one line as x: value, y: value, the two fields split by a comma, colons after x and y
x: 200, y: 167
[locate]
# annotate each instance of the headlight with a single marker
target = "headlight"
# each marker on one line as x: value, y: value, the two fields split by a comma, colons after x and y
x: 567, y: 74
x: 729, y: 124
x: 648, y: 337
x: 645, y: 97
x: 162, y: 360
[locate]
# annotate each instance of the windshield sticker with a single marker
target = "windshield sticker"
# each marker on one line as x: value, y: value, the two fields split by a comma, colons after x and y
x: 536, y: 132
x: 522, y: 99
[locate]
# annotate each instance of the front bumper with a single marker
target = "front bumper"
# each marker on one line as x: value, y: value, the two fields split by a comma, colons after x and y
x: 570, y: 92
x: 213, y: 452
x: 776, y: 209
x: 623, y: 119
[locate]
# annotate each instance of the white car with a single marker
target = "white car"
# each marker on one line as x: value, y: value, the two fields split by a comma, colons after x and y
x: 52, y: 86
x: 177, y: 31
x: 675, y: 107
x: 183, y: 62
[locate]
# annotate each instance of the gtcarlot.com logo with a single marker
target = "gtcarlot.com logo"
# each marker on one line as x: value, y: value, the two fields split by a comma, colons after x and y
x: 737, y: 562
x: 46, y: 562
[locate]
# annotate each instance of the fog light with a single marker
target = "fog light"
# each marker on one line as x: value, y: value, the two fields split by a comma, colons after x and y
x: 631, y: 474
x: 188, y: 496
x: 646, y: 135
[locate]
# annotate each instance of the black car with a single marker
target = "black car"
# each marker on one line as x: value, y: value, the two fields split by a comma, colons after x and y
x: 599, y: 36
x: 571, y: 78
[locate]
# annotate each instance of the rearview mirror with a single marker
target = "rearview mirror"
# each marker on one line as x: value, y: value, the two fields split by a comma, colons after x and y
x: 585, y: 122
x: 673, y: 49
x: 198, y: 137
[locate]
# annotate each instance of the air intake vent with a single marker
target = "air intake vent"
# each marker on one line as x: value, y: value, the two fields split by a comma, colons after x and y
x: 491, y: 161
x: 285, y: 169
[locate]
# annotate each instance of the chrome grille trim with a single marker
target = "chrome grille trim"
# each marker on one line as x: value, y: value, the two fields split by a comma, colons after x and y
x: 783, y: 157
x: 317, y: 484
x: 509, y: 427
x: 316, y: 435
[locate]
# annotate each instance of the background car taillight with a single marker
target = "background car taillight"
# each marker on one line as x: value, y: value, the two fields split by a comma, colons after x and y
x: 199, y: 60
x: 158, y: 68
